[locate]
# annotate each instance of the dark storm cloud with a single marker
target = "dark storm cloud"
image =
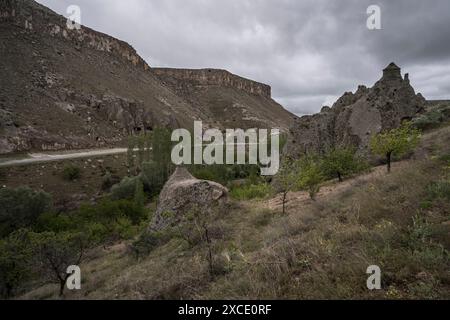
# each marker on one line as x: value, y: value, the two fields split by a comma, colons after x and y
x: 310, y: 52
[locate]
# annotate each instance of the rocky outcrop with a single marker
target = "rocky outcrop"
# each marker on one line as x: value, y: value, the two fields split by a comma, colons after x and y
x: 184, y: 79
x: 34, y: 17
x: 225, y: 100
x: 355, y: 117
x: 76, y: 89
x: 182, y: 193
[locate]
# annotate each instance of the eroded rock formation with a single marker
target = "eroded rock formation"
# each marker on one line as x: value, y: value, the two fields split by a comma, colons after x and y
x: 182, y: 193
x: 354, y: 117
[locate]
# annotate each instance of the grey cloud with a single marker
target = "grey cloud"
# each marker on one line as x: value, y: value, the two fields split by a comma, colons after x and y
x: 310, y: 52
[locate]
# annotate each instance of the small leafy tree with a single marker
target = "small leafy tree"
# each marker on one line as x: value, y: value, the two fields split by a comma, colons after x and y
x: 139, y: 195
x: 54, y: 252
x: 20, y: 208
x: 15, y: 254
x: 310, y: 175
x: 286, y: 179
x: 395, y: 142
x: 340, y: 162
x: 196, y: 227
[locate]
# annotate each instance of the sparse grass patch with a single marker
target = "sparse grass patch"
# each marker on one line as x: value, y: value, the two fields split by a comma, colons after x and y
x: 439, y: 190
x: 251, y: 191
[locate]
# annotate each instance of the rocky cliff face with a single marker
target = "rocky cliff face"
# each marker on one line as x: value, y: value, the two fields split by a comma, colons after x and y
x: 70, y: 89
x: 356, y: 116
x: 226, y: 100
x: 184, y: 80
x: 36, y: 18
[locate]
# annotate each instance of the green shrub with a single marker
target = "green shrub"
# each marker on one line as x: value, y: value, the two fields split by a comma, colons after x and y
x: 439, y: 190
x: 15, y: 254
x: 105, y: 221
x: 125, y: 189
x: 223, y: 173
x: 251, y: 191
x: 71, y: 172
x: 20, y: 208
x: 147, y: 242
x: 432, y: 119
x: 109, y: 181
x: 341, y: 162
x: 153, y: 177
x: 396, y: 142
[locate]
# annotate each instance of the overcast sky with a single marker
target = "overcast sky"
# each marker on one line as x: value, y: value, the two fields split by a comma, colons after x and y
x: 309, y: 51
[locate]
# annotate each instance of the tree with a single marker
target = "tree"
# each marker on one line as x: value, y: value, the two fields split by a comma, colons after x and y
x: 395, y: 142
x: 339, y: 162
x: 15, y: 254
x: 20, y: 208
x: 139, y: 195
x: 286, y: 179
x: 310, y: 175
x: 55, y: 252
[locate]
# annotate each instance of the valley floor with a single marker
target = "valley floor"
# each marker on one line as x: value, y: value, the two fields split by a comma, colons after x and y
x: 318, y: 250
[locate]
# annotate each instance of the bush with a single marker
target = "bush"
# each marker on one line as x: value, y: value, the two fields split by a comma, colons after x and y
x: 147, y: 242
x: 340, y: 162
x: 223, y: 174
x: 125, y: 189
x: 251, y: 191
x: 105, y: 221
x: 15, y: 254
x: 153, y: 177
x: 20, y: 208
x: 395, y: 142
x: 71, y: 173
x: 432, y: 119
x: 439, y: 190
x: 109, y: 181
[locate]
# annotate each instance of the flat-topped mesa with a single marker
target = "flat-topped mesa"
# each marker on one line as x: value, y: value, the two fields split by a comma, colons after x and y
x: 35, y: 18
x: 179, y: 79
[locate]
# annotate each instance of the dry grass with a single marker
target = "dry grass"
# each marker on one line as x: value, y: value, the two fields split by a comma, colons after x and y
x: 319, y: 250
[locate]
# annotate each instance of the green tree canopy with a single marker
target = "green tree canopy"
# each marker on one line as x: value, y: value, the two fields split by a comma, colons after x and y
x: 341, y: 161
x: 395, y: 142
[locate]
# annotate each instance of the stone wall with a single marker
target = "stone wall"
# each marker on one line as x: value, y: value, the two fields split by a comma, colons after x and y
x: 181, y: 78
x: 32, y: 17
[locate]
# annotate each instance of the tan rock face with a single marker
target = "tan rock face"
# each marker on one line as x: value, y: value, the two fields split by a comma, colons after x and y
x: 183, y: 193
x: 179, y: 78
x: 37, y: 18
x: 226, y: 100
x: 355, y: 117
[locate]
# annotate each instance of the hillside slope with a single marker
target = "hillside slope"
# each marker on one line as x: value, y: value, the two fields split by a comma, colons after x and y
x: 318, y: 250
x: 228, y: 100
x: 67, y: 89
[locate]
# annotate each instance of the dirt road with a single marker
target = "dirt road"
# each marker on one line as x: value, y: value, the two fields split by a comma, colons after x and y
x: 42, y: 157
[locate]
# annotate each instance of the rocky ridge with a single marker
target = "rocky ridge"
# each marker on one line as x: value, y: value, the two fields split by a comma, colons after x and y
x: 73, y: 89
x: 354, y: 117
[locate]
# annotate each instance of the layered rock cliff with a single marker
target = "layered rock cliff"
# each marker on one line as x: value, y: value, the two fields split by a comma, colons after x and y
x: 34, y: 17
x: 226, y: 100
x: 63, y: 88
x: 184, y: 80
x: 355, y: 117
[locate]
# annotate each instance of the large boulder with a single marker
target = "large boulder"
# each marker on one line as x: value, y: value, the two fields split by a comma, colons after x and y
x: 183, y: 193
